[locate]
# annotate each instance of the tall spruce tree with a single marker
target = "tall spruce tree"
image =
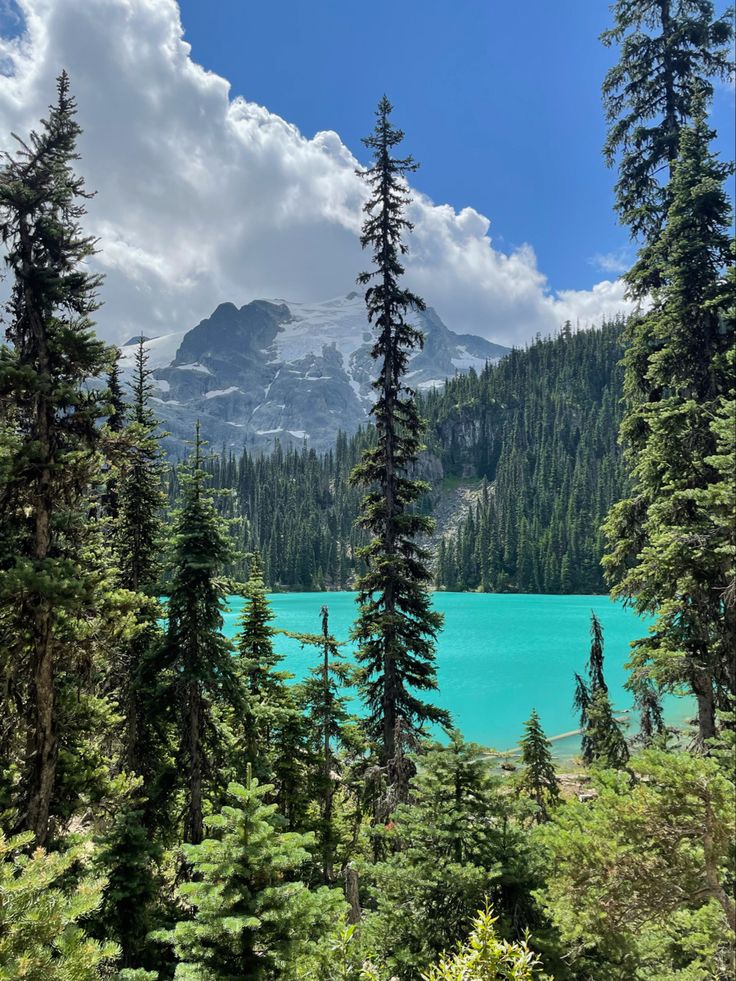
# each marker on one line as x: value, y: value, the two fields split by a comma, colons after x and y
x: 670, y: 50
x: 131, y: 846
x: 139, y: 543
x: 396, y: 626
x: 203, y: 677
x: 669, y: 553
x: 50, y: 418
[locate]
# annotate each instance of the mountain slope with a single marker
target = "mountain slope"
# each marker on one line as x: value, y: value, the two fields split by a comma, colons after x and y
x: 541, y: 427
x: 292, y: 372
x: 522, y: 460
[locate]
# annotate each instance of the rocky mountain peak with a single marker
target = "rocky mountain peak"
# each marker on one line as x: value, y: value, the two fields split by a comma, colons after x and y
x: 294, y: 372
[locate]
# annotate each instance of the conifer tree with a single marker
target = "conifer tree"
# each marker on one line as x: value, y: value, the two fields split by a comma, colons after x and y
x: 538, y: 780
x: 115, y: 423
x: 605, y: 739
x: 127, y: 857
x: 52, y: 420
x: 326, y: 710
x: 454, y: 846
x: 595, y: 661
x: 290, y: 755
x: 200, y: 661
x: 139, y: 542
x: 131, y: 846
x: 273, y: 727
x: 594, y: 669
x: 670, y: 50
x: 139, y: 531
x: 252, y: 918
x: 42, y: 904
x: 602, y: 739
x: 116, y: 419
x: 396, y: 626
x: 669, y: 554
x: 257, y: 661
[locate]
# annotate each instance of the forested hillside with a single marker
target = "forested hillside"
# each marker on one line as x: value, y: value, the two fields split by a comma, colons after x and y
x: 296, y: 508
x: 540, y: 428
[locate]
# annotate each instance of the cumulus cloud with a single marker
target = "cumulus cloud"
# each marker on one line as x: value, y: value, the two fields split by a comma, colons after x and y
x: 203, y: 196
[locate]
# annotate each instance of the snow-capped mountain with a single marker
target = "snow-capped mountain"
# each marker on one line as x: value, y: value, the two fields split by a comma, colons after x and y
x: 294, y: 372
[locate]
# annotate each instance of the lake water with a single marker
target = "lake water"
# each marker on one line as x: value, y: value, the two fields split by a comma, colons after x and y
x: 498, y: 656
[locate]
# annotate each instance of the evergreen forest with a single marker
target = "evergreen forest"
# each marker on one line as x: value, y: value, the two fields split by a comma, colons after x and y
x: 174, y: 804
x: 534, y: 436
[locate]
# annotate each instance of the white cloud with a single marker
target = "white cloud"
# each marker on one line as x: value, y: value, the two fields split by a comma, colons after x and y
x: 583, y: 307
x: 202, y: 197
x: 617, y: 262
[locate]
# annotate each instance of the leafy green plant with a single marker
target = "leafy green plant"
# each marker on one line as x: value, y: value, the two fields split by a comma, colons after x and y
x: 486, y: 958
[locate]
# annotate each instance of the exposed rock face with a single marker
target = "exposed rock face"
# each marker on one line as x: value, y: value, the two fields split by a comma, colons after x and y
x: 294, y: 372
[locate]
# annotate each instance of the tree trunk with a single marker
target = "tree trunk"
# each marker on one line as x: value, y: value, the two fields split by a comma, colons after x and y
x: 41, y: 766
x: 352, y: 894
x: 702, y: 685
x: 194, y: 824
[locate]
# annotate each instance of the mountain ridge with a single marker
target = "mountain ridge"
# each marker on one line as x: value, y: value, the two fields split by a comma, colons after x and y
x: 277, y: 370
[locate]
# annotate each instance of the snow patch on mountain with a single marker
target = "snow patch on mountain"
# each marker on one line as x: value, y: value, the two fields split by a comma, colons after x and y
x: 294, y: 372
x: 217, y: 392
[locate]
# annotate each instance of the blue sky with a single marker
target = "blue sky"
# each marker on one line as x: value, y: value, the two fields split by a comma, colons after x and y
x: 209, y: 137
x: 500, y: 103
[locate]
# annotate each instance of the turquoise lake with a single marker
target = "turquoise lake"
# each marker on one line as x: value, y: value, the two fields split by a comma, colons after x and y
x: 498, y: 656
